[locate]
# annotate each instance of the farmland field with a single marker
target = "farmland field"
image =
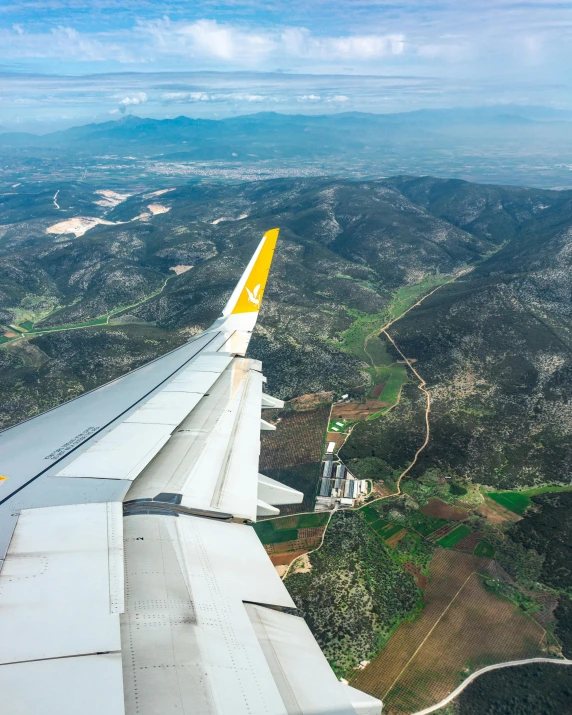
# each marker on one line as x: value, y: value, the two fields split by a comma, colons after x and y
x: 407, y: 296
x: 470, y: 542
x: 516, y: 502
x: 298, y: 439
x: 292, y: 454
x: 281, y: 530
x: 426, y: 525
x: 441, y: 510
x: 454, y: 536
x: 546, y: 490
x: 462, y: 625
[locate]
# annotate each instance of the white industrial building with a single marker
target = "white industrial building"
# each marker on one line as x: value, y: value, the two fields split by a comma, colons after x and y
x: 338, y: 486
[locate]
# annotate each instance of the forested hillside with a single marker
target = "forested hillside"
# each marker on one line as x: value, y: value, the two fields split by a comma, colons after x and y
x: 493, y: 345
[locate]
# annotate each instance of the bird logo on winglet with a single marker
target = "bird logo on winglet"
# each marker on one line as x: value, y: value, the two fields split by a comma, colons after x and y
x: 253, y: 295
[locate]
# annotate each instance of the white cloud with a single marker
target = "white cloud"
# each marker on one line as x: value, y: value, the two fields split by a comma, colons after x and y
x: 226, y: 97
x: 206, y: 39
x: 225, y: 42
x: 61, y: 42
x: 308, y: 98
x: 139, y: 98
x: 299, y: 42
x: 133, y: 100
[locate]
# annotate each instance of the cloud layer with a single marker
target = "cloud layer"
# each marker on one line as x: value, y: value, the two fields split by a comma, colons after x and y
x: 419, y: 54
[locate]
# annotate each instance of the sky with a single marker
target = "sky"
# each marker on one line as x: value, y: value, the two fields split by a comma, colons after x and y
x: 65, y: 62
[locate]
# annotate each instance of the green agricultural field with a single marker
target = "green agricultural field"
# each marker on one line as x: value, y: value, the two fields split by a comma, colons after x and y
x: 409, y: 295
x: 378, y: 526
x: 454, y: 536
x: 85, y: 324
x: 282, y: 529
x: 369, y: 513
x: 338, y: 425
x: 270, y: 535
x: 517, y: 502
x: 426, y: 525
x: 388, y: 530
x: 374, y: 353
x: 546, y: 490
x: 354, y: 337
x: 484, y: 549
x: 394, y: 376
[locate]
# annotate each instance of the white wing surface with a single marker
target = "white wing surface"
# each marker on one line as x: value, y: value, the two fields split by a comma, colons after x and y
x: 131, y: 581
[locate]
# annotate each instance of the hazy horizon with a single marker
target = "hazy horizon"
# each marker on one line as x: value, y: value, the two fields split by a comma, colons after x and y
x: 67, y: 63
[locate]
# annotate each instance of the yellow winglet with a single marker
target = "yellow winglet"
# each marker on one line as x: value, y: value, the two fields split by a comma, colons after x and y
x: 247, y: 296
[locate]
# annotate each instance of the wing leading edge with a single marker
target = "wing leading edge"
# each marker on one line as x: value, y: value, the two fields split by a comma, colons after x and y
x: 132, y: 582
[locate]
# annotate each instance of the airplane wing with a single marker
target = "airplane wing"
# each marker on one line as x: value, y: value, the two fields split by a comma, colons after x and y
x: 131, y: 581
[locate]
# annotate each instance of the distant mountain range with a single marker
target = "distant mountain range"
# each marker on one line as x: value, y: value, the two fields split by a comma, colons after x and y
x: 528, y: 146
x: 269, y: 134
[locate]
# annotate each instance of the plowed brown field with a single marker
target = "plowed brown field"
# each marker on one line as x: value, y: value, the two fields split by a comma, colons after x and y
x: 357, y: 410
x: 441, y: 510
x: 462, y: 626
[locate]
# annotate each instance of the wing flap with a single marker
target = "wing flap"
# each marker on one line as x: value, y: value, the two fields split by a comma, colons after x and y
x: 165, y: 408
x: 188, y: 643
x: 121, y: 454
x: 211, y: 461
x: 302, y: 674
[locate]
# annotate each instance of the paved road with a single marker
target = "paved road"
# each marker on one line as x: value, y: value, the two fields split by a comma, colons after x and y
x: 475, y: 675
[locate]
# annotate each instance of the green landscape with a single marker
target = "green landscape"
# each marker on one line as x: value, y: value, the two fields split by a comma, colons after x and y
x: 485, y: 503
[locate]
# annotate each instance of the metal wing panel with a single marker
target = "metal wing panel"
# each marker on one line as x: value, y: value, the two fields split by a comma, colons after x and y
x: 34, y: 447
x: 165, y: 408
x: 237, y: 489
x: 121, y: 454
x: 212, y: 458
x: 188, y: 645
x: 90, y: 685
x: 303, y: 676
x: 59, y: 586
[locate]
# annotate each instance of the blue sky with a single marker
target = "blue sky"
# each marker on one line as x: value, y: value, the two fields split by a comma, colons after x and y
x: 68, y: 61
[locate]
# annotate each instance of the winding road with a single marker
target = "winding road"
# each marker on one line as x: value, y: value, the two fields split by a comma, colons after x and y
x: 476, y: 674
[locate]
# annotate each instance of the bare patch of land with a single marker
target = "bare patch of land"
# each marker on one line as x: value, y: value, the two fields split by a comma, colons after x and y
x: 421, y: 581
x: 110, y: 199
x: 78, y: 225
x: 180, y: 269
x: 158, y: 209
x: 310, y: 401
